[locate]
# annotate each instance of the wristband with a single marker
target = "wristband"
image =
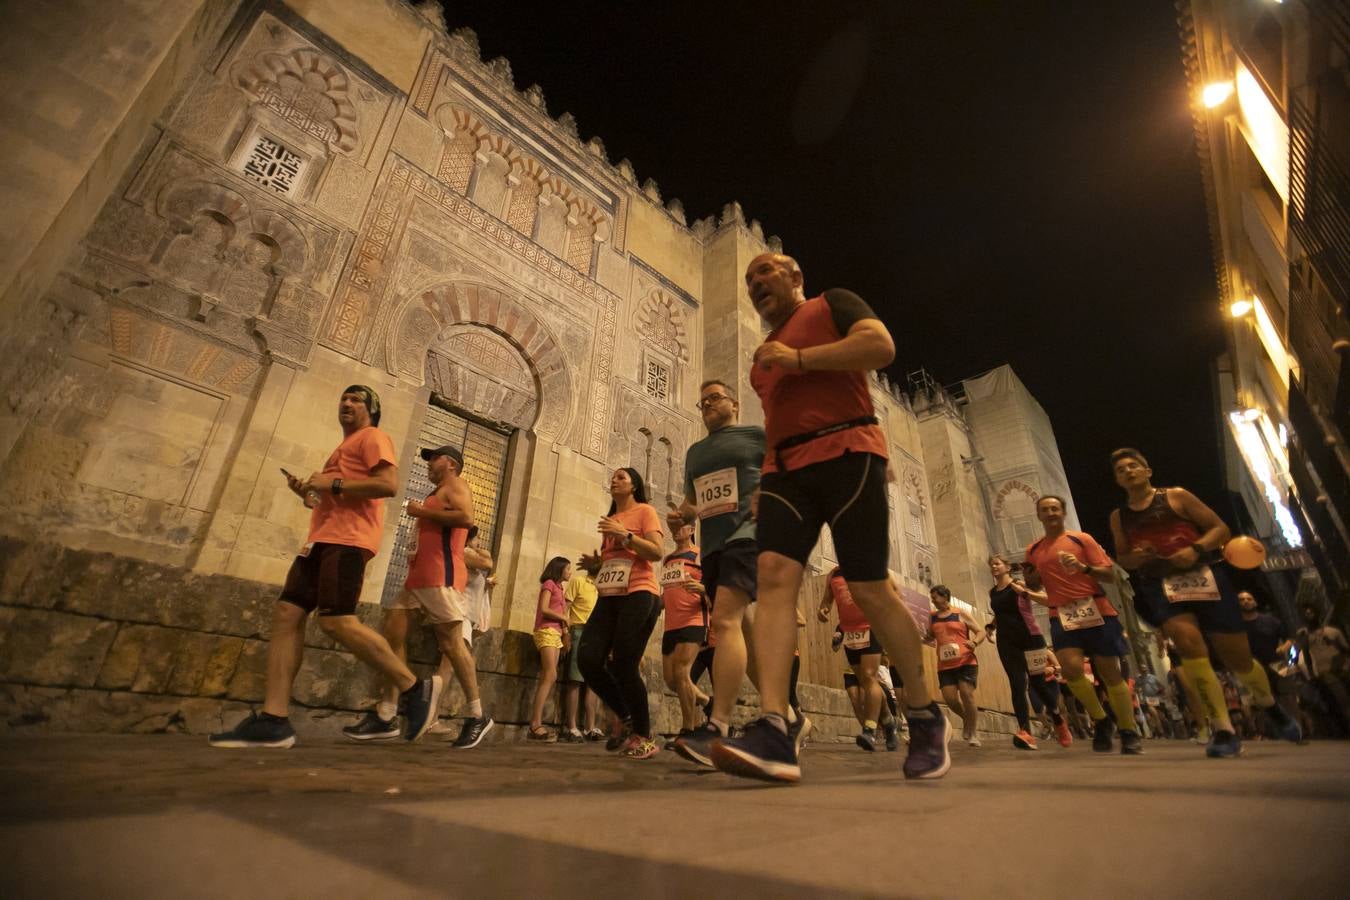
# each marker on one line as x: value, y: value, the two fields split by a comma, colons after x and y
x: 628, y: 540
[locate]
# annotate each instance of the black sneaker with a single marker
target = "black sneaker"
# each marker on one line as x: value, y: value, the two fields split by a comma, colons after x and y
x: 372, y: 728
x: 1102, y: 730
x: 471, y: 735
x: 696, y: 746
x: 892, y: 736
x: 567, y: 736
x: 419, y: 704
x: 763, y: 752
x: 929, y: 736
x: 1283, y: 724
x: 1130, y: 744
x: 867, y: 739
x: 256, y: 731
x: 799, y: 731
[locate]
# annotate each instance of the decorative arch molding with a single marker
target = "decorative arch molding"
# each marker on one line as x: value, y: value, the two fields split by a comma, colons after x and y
x: 182, y: 202
x: 307, y: 89
x: 660, y: 319
x: 430, y: 317
x: 1009, y: 488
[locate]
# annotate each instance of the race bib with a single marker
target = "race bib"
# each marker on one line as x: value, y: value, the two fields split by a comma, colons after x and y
x: 672, y: 574
x: 949, y: 652
x: 613, y: 577
x: 716, y: 493
x: 1036, y: 660
x: 858, y: 640
x: 1196, y: 584
x: 1080, y: 614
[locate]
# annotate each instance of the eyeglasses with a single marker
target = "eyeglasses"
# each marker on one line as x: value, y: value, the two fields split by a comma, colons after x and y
x: 710, y: 400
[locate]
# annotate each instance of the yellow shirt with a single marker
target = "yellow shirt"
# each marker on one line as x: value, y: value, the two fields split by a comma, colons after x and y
x: 581, y: 596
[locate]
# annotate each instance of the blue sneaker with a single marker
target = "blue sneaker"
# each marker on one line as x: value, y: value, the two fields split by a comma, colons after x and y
x: 867, y: 740
x: 1223, y: 744
x: 696, y: 745
x: 1284, y: 725
x: 762, y: 752
x: 928, y: 755
x: 419, y: 705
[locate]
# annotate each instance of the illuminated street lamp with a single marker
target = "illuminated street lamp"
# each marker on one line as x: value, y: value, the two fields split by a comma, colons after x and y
x: 1240, y: 308
x: 1216, y: 93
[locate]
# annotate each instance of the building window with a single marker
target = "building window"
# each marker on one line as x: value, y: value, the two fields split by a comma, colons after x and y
x: 271, y: 164
x: 656, y: 380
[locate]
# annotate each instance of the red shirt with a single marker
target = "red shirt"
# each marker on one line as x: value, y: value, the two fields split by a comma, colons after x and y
x: 684, y: 608
x: 439, y: 559
x: 556, y: 603
x: 950, y: 630
x: 339, y: 519
x: 851, y: 616
x: 797, y: 402
x: 1061, y: 585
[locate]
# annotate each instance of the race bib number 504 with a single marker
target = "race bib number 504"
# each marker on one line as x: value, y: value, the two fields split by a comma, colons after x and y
x: 716, y: 493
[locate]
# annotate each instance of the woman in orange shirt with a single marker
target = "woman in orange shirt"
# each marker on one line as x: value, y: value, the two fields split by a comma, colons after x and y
x: 625, y: 613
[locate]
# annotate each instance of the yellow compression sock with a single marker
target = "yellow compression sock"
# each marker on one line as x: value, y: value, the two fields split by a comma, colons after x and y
x: 870, y: 724
x: 1210, y: 691
x: 1256, y: 681
x: 1122, y: 706
x: 1087, y: 695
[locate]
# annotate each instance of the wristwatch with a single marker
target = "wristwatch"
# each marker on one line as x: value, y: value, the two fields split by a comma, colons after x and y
x: 337, y: 486
x: 628, y: 540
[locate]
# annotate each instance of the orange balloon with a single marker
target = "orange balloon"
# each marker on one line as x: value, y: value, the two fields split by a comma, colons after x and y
x: 1245, y: 552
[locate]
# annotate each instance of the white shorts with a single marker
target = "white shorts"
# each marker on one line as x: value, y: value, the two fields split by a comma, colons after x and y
x: 884, y: 676
x: 441, y: 605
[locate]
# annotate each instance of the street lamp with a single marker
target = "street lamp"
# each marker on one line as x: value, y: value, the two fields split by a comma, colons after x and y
x: 1216, y: 93
x: 1240, y: 308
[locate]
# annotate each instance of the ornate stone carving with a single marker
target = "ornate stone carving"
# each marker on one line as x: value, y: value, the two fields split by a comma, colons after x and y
x: 307, y: 89
x: 661, y: 322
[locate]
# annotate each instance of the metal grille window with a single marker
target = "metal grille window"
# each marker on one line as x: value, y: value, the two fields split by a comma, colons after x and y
x: 484, y: 449
x: 656, y: 380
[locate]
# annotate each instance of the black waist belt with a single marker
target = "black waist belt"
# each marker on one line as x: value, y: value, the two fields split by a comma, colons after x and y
x: 805, y: 437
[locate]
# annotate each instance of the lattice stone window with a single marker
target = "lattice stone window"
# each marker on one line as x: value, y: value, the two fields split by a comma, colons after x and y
x: 656, y: 380
x: 273, y: 165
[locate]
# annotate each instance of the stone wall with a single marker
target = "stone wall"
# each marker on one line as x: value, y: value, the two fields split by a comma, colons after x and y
x: 93, y: 642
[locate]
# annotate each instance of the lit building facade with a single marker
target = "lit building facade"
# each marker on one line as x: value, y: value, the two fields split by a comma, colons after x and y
x: 1272, y: 125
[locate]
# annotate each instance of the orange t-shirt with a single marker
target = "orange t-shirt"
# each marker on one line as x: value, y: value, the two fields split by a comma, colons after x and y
x: 798, y: 402
x: 340, y: 520
x: 641, y: 520
x: 684, y: 608
x: 1061, y: 585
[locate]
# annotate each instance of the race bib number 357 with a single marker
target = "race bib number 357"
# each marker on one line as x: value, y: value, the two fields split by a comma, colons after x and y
x: 716, y: 493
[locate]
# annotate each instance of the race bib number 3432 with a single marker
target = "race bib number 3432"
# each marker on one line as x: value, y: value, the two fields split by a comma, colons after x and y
x: 716, y: 493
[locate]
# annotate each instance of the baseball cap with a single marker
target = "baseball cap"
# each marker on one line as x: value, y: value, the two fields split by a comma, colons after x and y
x: 429, y: 453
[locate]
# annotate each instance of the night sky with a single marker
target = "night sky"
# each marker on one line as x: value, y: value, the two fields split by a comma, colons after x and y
x: 1003, y: 182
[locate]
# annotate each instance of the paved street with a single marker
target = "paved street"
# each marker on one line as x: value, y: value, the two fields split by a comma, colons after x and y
x: 165, y: 816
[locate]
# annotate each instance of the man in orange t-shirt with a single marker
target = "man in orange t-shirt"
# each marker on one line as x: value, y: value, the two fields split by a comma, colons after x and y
x: 347, y: 519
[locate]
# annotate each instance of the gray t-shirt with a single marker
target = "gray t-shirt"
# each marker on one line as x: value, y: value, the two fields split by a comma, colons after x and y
x: 732, y: 454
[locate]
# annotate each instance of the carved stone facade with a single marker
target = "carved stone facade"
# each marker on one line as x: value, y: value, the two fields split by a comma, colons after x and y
x: 309, y: 211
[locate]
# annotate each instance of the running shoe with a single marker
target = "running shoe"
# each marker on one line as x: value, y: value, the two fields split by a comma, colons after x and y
x: 263, y: 730
x: 867, y: 740
x: 696, y: 745
x: 929, y: 736
x: 1130, y: 743
x: 618, y: 738
x: 763, y: 752
x: 1283, y: 724
x: 974, y: 741
x: 1223, y: 744
x: 593, y: 734
x: 641, y: 748
x: 892, y: 736
x: 419, y: 704
x: 1024, y: 741
x: 1102, y: 730
x: 441, y: 727
x: 1063, y: 735
x: 472, y: 734
x: 372, y: 728
x: 571, y: 736
x: 799, y: 731
x: 541, y: 736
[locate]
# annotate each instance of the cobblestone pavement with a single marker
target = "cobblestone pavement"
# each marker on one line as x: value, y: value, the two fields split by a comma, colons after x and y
x: 166, y: 816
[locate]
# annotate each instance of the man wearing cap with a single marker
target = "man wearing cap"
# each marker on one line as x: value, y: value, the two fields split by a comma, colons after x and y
x: 436, y: 584
x: 345, y: 526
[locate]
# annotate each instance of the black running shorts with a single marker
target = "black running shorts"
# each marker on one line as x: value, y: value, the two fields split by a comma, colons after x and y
x: 328, y: 579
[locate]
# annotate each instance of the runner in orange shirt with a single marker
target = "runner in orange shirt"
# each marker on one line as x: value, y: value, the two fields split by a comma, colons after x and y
x: 344, y: 533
